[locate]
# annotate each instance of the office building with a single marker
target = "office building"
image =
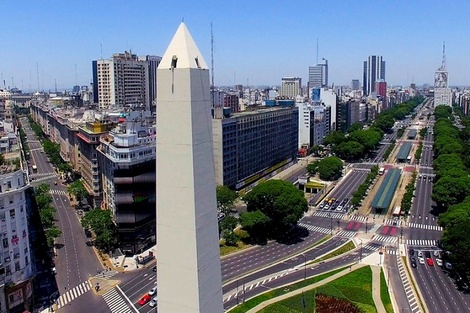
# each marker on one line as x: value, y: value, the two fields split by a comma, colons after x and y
x: 252, y: 145
x: 291, y: 87
x: 442, y: 92
x: 373, y: 70
x: 313, y: 124
x: 381, y: 92
x: 355, y: 84
x: 152, y: 65
x: 189, y: 271
x: 121, y: 81
x: 318, y: 75
x: 127, y: 159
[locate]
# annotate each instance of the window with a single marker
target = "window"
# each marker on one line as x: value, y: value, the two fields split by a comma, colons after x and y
x: 17, y: 266
x: 12, y: 213
x: 5, y: 243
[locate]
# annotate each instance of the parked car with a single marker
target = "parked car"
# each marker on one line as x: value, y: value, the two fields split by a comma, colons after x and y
x: 153, y: 303
x: 430, y: 261
x: 420, y: 260
x: 439, y: 262
x: 153, y: 291
x: 411, y: 252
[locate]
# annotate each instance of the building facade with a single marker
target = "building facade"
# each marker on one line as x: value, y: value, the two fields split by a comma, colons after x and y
x: 251, y: 145
x: 120, y: 81
x: 373, y: 70
x: 291, y: 87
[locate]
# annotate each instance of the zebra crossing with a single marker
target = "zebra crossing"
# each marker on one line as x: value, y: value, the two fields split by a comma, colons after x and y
x: 239, y: 294
x: 392, y: 251
x: 106, y: 274
x: 410, y: 295
x: 424, y: 243
x: 424, y: 226
x: 115, y: 302
x: 44, y: 178
x: 37, y: 175
x: 73, y: 294
x: 58, y: 192
x: 328, y: 214
x: 314, y: 228
x: 371, y: 247
x: 390, y: 239
x: 359, y: 218
x: 346, y: 233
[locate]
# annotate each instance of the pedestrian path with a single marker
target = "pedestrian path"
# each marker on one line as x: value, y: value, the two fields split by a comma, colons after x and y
x: 316, y: 229
x: 371, y: 247
x: 346, y: 233
x: 58, y: 192
x: 382, y: 238
x: 73, y: 294
x: 328, y: 214
x: 106, y: 274
x: 42, y: 174
x: 45, y: 178
x: 116, y: 303
x: 418, y: 242
x: 392, y: 251
x: 390, y: 221
x: 359, y: 218
x: 410, y: 295
x: 239, y: 294
x: 425, y: 226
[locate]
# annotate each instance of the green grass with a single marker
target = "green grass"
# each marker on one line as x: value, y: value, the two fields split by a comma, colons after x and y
x: 384, y: 294
x: 343, y: 249
x: 355, y: 287
x: 280, y: 291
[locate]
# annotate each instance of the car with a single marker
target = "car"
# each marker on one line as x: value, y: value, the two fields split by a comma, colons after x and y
x: 430, y: 261
x: 322, y: 205
x: 427, y: 254
x: 339, y: 208
x: 436, y: 253
x: 154, y: 268
x: 153, y: 291
x: 421, y: 260
x: 439, y: 262
x: 326, y: 207
x: 144, y: 300
x: 55, y: 183
x: 153, y: 303
x: 54, y: 270
x: 411, y: 252
x: 413, y: 263
x: 420, y: 253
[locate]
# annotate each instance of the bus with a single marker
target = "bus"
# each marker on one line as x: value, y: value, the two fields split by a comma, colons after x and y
x: 35, y: 168
x: 396, y: 214
x: 381, y: 171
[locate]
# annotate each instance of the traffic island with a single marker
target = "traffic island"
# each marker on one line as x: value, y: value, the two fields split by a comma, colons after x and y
x: 100, y: 286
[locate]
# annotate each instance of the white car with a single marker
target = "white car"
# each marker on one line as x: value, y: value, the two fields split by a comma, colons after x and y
x: 420, y: 253
x: 436, y: 253
x: 153, y: 303
x: 421, y: 260
x: 339, y: 208
x: 153, y: 291
x: 439, y: 262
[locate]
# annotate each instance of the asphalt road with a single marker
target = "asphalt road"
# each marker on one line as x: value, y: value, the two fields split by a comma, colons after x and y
x: 74, y: 261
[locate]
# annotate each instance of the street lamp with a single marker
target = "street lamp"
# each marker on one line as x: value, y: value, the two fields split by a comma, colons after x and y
x: 360, y: 252
x: 305, y: 266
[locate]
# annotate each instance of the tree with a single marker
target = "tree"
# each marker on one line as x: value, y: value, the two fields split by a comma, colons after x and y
x: 334, y: 138
x: 52, y: 234
x: 384, y: 122
x: 330, y: 168
x: 225, y: 199
x: 351, y: 150
x: 312, y: 167
x: 316, y: 150
x: 354, y: 127
x: 273, y: 207
x: 231, y: 239
x: 229, y: 223
x: 47, y: 217
x: 101, y: 222
x: 368, y: 138
x: 448, y: 191
x: 78, y: 190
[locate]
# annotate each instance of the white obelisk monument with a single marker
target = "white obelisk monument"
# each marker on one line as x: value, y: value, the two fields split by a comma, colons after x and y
x: 188, y: 259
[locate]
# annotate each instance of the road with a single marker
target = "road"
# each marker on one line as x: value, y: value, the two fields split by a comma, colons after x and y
x: 75, y: 262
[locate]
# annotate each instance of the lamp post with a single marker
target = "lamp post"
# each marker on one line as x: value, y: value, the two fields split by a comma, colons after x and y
x: 360, y: 252
x: 305, y: 266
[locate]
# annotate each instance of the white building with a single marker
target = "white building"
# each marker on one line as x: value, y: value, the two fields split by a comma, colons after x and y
x: 16, y: 269
x: 329, y: 98
x: 122, y: 80
x: 291, y: 87
x: 313, y: 124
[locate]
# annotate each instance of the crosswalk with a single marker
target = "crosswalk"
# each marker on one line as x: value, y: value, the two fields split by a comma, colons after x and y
x: 58, y: 192
x: 425, y: 226
x: 371, y: 247
x: 314, y: 228
x: 73, y: 293
x: 44, y: 178
x: 424, y: 243
x: 106, y: 274
x: 37, y: 175
x: 390, y: 239
x: 392, y: 251
x: 328, y: 214
x: 359, y: 218
x: 347, y: 233
x: 115, y: 302
x: 408, y: 288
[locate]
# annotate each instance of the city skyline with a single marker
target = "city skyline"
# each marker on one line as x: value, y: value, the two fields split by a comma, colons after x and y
x: 260, y: 46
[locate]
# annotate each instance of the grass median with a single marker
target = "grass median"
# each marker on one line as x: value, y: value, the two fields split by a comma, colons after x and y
x: 341, y: 250
x: 384, y: 294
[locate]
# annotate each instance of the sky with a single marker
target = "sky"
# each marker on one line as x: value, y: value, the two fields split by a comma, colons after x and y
x: 256, y: 42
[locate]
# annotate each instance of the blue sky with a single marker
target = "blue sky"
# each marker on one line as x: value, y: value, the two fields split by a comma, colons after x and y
x: 255, y: 41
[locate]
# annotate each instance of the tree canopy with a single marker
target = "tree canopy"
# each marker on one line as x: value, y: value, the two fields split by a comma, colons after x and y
x: 330, y: 168
x: 273, y: 207
x: 225, y: 199
x: 78, y: 190
x: 101, y: 222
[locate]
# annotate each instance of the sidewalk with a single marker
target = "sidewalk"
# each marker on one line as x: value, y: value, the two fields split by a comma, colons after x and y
x: 125, y: 264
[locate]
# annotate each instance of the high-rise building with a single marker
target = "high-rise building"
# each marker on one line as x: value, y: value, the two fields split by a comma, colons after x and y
x: 381, y: 91
x: 251, y: 145
x: 121, y: 81
x: 291, y: 87
x: 355, y: 84
x: 373, y: 70
x: 187, y: 229
x: 318, y: 75
x: 442, y: 92
x: 152, y: 63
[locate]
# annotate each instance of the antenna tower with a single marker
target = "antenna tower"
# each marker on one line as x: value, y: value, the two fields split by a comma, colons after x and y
x: 37, y: 73
x: 212, y: 67
x: 317, y: 51
x: 443, y: 66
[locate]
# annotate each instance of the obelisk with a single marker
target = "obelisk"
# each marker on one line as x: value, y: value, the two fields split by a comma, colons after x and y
x: 188, y: 258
